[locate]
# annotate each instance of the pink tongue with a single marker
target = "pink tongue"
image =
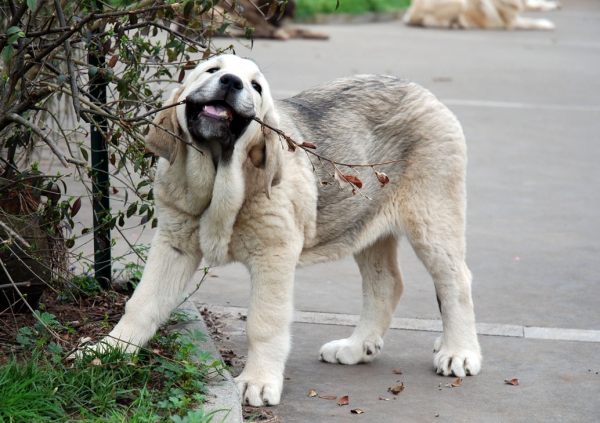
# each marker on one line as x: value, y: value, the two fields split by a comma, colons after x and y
x: 214, y: 110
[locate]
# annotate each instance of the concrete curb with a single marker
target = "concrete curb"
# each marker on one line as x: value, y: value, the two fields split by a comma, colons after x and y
x: 223, y: 394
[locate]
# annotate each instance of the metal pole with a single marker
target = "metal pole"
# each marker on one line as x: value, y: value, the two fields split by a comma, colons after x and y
x: 100, y: 182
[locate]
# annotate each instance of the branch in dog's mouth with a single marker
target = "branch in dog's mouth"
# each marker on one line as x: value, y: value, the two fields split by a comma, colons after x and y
x: 336, y: 174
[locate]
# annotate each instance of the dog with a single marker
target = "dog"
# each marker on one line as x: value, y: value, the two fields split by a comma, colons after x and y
x: 227, y: 190
x: 483, y: 14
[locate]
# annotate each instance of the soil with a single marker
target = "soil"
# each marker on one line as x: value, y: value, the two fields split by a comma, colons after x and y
x: 91, y: 317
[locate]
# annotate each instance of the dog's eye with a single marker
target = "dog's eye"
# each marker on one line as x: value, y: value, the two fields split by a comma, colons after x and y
x: 213, y: 70
x: 257, y: 87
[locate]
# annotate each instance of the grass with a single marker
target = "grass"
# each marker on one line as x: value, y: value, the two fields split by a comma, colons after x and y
x: 162, y: 384
x: 305, y: 8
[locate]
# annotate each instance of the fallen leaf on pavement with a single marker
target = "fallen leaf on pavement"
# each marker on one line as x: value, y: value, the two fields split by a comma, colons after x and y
x: 396, y: 389
x: 397, y: 372
x: 328, y: 397
x: 383, y: 399
x: 343, y: 400
x: 312, y: 393
x: 513, y: 382
x: 456, y: 383
x: 357, y: 411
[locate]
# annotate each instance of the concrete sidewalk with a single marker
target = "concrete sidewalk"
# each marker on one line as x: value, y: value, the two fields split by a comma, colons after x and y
x: 529, y: 103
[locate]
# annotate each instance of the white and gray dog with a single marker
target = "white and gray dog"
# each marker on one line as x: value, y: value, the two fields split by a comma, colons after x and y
x: 249, y: 199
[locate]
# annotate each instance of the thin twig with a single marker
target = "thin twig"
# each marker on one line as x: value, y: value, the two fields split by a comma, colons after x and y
x: 15, y: 235
x: 54, y: 334
x: 310, y: 150
x: 160, y: 109
x: 65, y: 160
x: 70, y: 65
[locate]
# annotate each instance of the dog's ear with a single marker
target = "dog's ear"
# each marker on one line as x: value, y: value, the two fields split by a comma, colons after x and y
x: 160, y: 140
x: 273, y: 152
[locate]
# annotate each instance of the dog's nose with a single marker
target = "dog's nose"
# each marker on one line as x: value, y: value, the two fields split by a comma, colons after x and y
x: 232, y: 81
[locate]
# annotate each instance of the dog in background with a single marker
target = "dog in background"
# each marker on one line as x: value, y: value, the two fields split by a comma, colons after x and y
x: 249, y: 199
x: 482, y: 14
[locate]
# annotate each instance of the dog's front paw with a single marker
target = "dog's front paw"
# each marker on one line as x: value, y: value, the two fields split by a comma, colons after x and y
x: 259, y: 391
x: 351, y: 351
x: 455, y: 361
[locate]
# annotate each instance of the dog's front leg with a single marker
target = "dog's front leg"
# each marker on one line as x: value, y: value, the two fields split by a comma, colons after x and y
x: 268, y: 329
x: 173, y: 259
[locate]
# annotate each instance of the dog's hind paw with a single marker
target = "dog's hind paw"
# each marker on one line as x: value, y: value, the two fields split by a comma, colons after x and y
x: 459, y: 362
x: 258, y: 393
x: 351, y: 351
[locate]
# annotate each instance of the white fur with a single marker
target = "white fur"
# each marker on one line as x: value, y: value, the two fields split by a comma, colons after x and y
x: 486, y: 14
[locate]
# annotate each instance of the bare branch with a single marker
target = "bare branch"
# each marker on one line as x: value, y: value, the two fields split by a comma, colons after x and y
x: 14, y: 235
x: 70, y: 65
x: 65, y: 160
x: 160, y: 109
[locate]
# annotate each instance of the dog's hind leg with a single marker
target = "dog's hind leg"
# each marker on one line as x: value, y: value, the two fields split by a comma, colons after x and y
x: 436, y: 232
x: 382, y: 288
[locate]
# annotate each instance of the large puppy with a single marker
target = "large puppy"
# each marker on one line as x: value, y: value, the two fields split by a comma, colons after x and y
x: 485, y: 14
x: 249, y: 199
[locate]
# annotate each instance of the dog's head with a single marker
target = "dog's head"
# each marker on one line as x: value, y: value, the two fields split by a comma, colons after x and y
x: 222, y: 96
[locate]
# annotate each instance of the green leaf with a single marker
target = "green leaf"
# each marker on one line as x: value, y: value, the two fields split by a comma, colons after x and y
x: 92, y: 71
x: 173, y: 43
x: 61, y: 78
x: 32, y: 4
x: 131, y: 209
x: 189, y: 6
x: 84, y: 153
x: 7, y: 53
x: 143, y: 208
x: 13, y: 30
x: 337, y: 5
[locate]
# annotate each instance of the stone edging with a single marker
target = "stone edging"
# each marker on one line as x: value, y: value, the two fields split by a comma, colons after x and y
x: 222, y: 394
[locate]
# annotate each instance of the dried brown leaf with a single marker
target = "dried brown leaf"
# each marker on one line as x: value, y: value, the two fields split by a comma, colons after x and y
x: 513, y: 382
x: 397, y: 372
x: 352, y: 179
x: 96, y: 362
x: 328, y: 397
x: 344, y: 401
x: 396, y: 389
x: 181, y: 75
x: 382, y: 177
x: 308, y: 145
x: 456, y: 383
x: 356, y: 411
x: 113, y: 61
x: 312, y: 393
x: 272, y: 9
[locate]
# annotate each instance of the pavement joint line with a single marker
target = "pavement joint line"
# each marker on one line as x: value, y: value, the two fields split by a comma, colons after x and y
x: 488, y: 103
x: 429, y: 325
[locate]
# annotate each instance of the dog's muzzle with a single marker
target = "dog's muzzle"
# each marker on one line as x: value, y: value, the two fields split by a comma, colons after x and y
x: 219, y: 111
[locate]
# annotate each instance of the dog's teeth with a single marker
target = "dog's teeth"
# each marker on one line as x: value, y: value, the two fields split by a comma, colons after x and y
x: 224, y: 114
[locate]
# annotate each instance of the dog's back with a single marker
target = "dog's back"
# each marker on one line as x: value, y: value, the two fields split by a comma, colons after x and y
x: 365, y: 120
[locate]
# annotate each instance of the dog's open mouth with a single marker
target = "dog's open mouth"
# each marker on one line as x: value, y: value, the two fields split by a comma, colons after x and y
x: 217, y: 109
x: 215, y: 120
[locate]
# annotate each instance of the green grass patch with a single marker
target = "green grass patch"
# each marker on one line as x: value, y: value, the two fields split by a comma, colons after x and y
x: 163, y: 384
x: 305, y: 8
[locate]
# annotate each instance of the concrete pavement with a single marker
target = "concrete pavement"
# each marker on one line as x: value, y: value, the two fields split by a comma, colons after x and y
x: 529, y: 103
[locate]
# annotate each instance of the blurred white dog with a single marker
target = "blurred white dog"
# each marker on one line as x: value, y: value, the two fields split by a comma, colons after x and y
x: 484, y: 14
